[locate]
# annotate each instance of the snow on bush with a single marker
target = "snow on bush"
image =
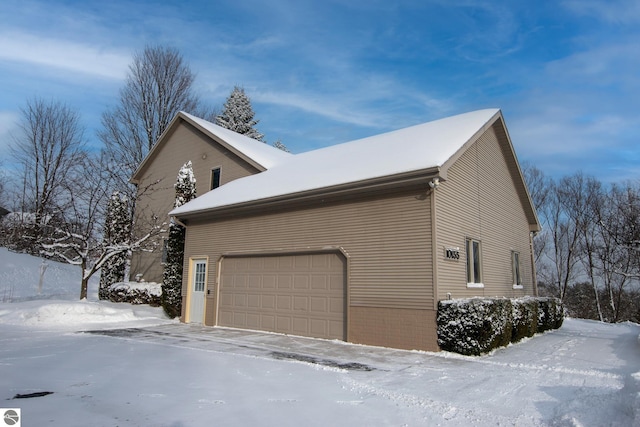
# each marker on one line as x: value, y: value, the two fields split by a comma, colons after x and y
x: 135, y: 293
x: 525, y: 318
x: 478, y: 325
x: 550, y: 314
x: 474, y: 326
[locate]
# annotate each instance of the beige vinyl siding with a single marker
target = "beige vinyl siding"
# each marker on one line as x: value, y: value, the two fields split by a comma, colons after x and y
x: 479, y: 200
x: 387, y: 241
x: 185, y: 144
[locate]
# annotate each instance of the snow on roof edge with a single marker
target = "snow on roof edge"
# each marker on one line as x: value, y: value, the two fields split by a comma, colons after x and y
x: 404, y: 150
x: 262, y: 153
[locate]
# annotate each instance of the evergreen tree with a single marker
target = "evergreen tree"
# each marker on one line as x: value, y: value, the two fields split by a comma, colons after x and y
x: 172, y: 277
x: 238, y: 115
x: 280, y: 146
x: 117, y: 231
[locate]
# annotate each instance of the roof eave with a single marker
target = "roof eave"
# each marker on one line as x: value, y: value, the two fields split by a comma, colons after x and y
x: 373, y: 185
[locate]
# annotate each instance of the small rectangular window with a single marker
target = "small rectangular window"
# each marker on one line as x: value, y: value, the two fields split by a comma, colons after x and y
x: 474, y: 269
x: 165, y: 250
x: 515, y: 265
x: 199, y: 278
x: 215, y: 178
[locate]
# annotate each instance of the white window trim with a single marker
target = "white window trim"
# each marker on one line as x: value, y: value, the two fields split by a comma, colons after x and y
x: 219, y: 169
x: 474, y: 285
x: 515, y: 270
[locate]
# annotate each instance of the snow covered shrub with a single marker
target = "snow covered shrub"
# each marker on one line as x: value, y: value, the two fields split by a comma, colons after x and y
x: 550, y: 314
x: 172, y: 275
x: 474, y: 326
x: 135, y: 293
x: 478, y: 325
x: 525, y: 318
x: 116, y: 233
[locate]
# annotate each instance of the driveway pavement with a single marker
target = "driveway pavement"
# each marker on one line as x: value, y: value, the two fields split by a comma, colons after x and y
x: 323, y: 352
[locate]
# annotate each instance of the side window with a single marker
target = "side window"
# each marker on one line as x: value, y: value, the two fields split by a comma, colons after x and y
x: 215, y: 178
x: 474, y: 268
x: 165, y: 249
x: 515, y: 265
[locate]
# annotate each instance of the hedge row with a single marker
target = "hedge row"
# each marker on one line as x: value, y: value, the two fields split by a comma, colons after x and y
x: 135, y: 293
x: 478, y: 325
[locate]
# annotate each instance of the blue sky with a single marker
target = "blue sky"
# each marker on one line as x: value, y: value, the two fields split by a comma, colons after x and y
x: 566, y: 74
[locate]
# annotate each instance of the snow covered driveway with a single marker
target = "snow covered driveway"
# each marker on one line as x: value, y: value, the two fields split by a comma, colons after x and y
x: 585, y: 374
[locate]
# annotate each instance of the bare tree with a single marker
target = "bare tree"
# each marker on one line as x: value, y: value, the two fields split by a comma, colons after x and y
x: 618, y: 253
x: 159, y: 85
x: 48, y: 147
x: 76, y: 239
x: 540, y: 188
x: 585, y: 201
x: 564, y: 236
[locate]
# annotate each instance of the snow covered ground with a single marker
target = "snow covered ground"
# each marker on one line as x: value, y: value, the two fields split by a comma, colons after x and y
x: 138, y: 368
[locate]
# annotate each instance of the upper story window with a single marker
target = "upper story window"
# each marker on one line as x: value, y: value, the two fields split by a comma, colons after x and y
x: 515, y: 266
x: 474, y: 268
x: 215, y: 178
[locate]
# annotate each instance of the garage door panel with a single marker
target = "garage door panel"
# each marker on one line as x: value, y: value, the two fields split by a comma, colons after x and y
x: 284, y: 302
x: 300, y: 325
x: 294, y: 294
x: 267, y: 323
x: 336, y: 305
x: 301, y: 303
x: 268, y: 302
x: 253, y: 301
x: 302, y: 263
x: 319, y: 282
x: 284, y: 281
x: 269, y: 281
x: 319, y: 304
x: 336, y: 282
x: 240, y: 300
x: 319, y: 327
x: 253, y: 321
x: 300, y: 282
x: 283, y: 324
x: 255, y: 281
x: 240, y: 319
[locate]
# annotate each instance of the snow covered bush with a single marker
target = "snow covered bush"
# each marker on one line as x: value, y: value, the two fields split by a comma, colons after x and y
x: 550, y: 314
x: 116, y: 232
x: 525, y: 318
x: 474, y: 326
x: 477, y: 325
x: 135, y: 293
x: 172, y: 275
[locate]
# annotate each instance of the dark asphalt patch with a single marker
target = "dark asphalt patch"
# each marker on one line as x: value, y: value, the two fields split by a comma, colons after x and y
x: 350, y: 366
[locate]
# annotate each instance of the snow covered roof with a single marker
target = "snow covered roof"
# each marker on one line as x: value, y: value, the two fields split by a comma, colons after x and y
x: 264, y: 154
x: 415, y: 148
x: 261, y: 155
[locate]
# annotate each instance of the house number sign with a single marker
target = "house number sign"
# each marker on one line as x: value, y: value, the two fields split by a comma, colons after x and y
x: 452, y: 253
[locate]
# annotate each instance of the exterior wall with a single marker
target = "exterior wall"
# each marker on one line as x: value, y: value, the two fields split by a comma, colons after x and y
x: 387, y: 241
x: 396, y: 328
x: 184, y: 144
x: 479, y: 200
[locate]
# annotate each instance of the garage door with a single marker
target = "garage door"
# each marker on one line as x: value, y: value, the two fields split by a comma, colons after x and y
x: 291, y: 294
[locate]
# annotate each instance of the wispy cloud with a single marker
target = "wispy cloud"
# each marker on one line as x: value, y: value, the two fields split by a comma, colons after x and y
x: 612, y: 11
x: 72, y: 56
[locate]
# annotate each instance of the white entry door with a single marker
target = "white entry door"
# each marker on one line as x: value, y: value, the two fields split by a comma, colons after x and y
x: 196, y: 294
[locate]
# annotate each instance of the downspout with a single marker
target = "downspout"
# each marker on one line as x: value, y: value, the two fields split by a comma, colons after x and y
x: 533, y: 264
x: 434, y: 241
